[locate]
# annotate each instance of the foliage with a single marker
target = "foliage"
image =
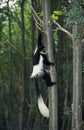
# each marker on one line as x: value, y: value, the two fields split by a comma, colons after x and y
x: 56, y: 14
x: 16, y: 58
x: 40, y: 13
x: 64, y: 69
x: 74, y: 14
x: 67, y: 113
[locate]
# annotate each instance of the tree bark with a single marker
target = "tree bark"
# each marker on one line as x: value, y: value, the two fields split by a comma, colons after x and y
x: 10, y: 72
x: 77, y: 81
x: 66, y: 88
x: 53, y: 104
x: 23, y: 75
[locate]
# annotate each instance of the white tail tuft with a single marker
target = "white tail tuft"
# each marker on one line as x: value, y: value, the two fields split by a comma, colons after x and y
x: 42, y: 107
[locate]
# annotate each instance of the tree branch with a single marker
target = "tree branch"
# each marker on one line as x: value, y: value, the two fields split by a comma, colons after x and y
x: 62, y: 29
x: 40, y: 25
x: 35, y: 13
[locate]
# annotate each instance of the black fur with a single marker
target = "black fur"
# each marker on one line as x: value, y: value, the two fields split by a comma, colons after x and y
x: 46, y: 77
x: 36, y: 57
x: 40, y: 47
x: 40, y: 44
x: 37, y: 87
x: 45, y: 60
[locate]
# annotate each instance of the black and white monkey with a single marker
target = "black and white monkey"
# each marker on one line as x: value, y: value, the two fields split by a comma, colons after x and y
x: 41, y: 105
x: 39, y: 58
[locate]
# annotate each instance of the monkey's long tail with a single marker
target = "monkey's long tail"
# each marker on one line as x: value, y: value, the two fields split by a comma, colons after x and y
x: 41, y: 105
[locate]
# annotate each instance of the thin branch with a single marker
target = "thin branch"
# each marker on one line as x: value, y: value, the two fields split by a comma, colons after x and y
x: 40, y: 25
x: 38, y: 20
x: 62, y: 29
x: 36, y: 15
x: 27, y: 102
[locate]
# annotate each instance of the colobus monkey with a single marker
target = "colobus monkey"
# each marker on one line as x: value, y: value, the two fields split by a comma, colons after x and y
x: 41, y: 105
x: 39, y: 59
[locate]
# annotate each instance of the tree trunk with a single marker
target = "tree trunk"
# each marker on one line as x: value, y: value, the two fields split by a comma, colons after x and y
x: 10, y: 72
x: 65, y: 105
x: 53, y: 104
x: 66, y: 88
x: 23, y: 75
x: 77, y: 81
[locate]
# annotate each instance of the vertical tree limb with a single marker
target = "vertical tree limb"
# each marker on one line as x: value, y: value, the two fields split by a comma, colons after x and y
x: 53, y: 104
x: 77, y: 81
x: 23, y: 73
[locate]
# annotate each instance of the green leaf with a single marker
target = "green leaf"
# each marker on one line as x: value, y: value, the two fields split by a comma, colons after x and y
x: 54, y: 17
x: 57, y: 12
x: 40, y: 13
